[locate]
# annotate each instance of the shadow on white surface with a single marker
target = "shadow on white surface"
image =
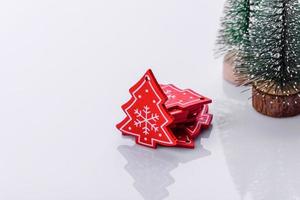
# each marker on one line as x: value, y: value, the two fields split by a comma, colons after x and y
x: 236, y: 92
x: 261, y: 152
x: 150, y: 168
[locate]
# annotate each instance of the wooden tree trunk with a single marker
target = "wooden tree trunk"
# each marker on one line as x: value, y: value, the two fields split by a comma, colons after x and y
x: 275, y: 105
x: 228, y: 68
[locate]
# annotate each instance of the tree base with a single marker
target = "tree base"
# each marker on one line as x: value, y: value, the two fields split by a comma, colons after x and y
x: 275, y: 105
x: 228, y: 69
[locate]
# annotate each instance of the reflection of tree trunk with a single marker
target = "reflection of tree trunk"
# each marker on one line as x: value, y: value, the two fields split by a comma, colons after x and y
x: 261, y: 159
x: 261, y: 168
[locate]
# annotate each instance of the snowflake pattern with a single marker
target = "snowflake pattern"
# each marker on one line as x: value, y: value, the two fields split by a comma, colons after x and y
x: 169, y: 94
x: 146, y: 120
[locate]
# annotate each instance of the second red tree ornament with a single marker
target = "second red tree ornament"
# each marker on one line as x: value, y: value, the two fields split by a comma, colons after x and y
x: 164, y: 114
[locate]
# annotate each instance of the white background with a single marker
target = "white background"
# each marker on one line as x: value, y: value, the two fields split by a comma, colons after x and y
x: 65, y: 70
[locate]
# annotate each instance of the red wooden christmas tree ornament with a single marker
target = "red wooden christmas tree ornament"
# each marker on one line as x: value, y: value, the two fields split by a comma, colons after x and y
x: 183, y: 98
x: 203, y: 120
x: 147, y: 117
x: 183, y: 138
x: 164, y: 114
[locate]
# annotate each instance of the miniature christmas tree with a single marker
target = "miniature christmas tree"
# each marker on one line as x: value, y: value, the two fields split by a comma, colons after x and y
x: 234, y: 25
x: 233, y: 34
x: 270, y: 59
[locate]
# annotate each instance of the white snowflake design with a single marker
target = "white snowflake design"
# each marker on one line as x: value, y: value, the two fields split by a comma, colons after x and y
x: 169, y: 94
x: 146, y: 119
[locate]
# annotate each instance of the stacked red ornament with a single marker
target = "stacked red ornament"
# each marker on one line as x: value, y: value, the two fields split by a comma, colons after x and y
x: 164, y: 114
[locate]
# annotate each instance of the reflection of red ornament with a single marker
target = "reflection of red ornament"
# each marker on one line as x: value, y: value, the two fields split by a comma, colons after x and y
x: 153, y: 110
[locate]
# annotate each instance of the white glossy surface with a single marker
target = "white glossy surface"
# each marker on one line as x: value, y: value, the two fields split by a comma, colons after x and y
x: 66, y: 67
